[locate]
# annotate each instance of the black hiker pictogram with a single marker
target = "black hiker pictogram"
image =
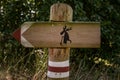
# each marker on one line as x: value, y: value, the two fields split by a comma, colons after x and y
x: 65, y: 36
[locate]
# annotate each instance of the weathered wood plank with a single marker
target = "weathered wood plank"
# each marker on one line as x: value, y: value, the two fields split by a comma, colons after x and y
x: 43, y: 34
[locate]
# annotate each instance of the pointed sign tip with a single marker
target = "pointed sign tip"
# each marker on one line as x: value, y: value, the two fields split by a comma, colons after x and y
x: 17, y: 34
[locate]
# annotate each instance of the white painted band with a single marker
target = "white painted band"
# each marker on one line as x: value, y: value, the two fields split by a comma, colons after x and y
x: 25, y: 42
x: 24, y: 27
x: 57, y: 75
x: 58, y: 64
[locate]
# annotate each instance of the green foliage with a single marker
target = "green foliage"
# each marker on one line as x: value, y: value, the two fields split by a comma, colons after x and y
x: 14, y: 12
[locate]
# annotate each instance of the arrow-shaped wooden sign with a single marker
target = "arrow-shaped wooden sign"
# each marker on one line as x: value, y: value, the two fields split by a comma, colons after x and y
x: 59, y: 34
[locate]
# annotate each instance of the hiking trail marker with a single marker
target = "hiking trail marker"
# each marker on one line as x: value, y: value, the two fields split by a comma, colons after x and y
x: 59, y: 37
x: 59, y: 34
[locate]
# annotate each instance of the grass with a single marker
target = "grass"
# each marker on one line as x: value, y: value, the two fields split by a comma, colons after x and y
x: 83, y: 72
x: 80, y: 71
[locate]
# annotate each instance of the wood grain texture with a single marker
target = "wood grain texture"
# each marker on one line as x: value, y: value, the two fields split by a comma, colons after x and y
x: 60, y: 12
x: 82, y: 34
x: 59, y: 54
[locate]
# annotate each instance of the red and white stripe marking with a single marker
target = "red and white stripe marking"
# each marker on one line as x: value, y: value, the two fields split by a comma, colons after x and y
x: 58, y: 69
x: 25, y: 27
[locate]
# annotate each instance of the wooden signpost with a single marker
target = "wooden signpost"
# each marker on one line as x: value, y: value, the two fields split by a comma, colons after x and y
x: 59, y: 34
x: 59, y: 37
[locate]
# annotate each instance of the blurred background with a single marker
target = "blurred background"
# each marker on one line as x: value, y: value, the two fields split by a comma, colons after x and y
x: 20, y: 63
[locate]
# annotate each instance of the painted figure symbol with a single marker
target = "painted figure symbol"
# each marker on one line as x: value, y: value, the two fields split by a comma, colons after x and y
x: 65, y: 35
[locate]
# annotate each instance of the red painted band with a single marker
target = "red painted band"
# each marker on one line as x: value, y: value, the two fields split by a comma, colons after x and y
x: 58, y: 69
x: 17, y: 34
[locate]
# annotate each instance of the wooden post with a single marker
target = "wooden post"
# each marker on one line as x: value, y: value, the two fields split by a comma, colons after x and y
x: 58, y: 62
